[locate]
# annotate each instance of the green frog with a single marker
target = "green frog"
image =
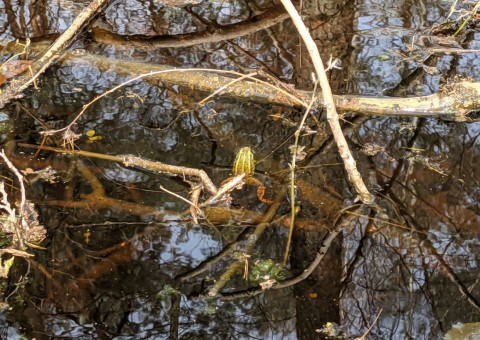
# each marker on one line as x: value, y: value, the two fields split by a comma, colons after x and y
x: 244, y: 163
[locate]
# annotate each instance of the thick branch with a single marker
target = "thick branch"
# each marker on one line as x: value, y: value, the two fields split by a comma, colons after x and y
x: 453, y: 104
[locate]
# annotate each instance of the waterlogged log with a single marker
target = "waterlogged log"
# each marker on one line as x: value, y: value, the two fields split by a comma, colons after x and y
x: 198, y: 80
x: 457, y: 101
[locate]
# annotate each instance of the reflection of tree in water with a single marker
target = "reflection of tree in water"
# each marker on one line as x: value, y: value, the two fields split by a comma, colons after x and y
x: 414, y: 261
x: 128, y: 288
x: 410, y: 260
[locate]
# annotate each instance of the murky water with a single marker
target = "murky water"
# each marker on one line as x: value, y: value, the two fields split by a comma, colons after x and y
x: 120, y: 250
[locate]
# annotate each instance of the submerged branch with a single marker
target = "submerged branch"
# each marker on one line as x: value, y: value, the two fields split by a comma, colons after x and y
x: 269, y: 18
x: 454, y: 103
x: 250, y: 243
x: 347, y: 222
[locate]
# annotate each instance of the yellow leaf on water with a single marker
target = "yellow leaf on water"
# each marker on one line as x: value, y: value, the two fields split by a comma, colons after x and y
x: 95, y: 138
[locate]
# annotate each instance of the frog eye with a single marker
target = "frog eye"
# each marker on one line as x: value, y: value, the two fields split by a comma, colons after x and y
x: 244, y: 162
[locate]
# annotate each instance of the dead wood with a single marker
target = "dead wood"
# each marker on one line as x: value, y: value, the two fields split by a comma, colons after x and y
x: 456, y: 102
x: 342, y: 223
x: 269, y: 18
x: 134, y: 161
x: 15, y: 88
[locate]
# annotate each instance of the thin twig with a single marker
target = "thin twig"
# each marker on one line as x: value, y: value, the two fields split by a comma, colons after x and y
x: 16, y: 252
x: 21, y: 226
x: 19, y: 176
x: 176, y: 195
x: 233, y: 183
x: 364, y: 336
x: 292, y: 174
x: 250, y: 75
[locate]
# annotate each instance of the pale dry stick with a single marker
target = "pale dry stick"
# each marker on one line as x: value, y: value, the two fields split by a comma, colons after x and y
x: 11, y: 219
x: 16, y: 252
x: 452, y: 9
x: 364, y: 336
x: 65, y: 39
x: 52, y: 52
x: 332, y: 116
x: 176, y: 195
x: 19, y: 176
x: 233, y: 183
x: 21, y: 226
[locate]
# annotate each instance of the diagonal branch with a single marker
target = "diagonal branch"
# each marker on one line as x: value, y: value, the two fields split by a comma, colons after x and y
x: 52, y: 53
x: 332, y: 116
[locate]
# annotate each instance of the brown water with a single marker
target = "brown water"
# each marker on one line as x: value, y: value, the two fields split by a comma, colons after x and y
x: 111, y: 269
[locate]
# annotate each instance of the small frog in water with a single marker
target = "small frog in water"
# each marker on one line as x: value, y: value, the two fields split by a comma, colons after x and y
x: 244, y: 163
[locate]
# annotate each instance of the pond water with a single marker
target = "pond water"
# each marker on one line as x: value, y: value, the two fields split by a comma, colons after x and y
x: 124, y: 258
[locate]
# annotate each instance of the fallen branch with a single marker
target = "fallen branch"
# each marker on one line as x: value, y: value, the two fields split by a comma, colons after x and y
x: 269, y: 18
x: 454, y: 103
x: 457, y: 102
x: 134, y: 161
x: 16, y: 87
